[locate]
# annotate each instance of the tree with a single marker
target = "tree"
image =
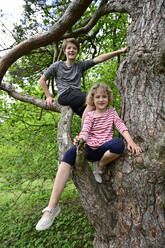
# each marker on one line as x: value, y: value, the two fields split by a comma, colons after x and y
x: 129, y: 210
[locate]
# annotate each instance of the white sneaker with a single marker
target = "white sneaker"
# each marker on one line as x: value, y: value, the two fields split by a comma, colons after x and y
x: 97, y: 172
x: 45, y: 222
x: 97, y: 177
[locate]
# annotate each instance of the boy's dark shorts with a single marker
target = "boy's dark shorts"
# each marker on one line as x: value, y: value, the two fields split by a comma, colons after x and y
x: 115, y: 145
x: 75, y: 98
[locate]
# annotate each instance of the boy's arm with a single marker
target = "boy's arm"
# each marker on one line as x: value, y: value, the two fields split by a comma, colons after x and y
x: 49, y: 98
x: 132, y: 147
x: 106, y: 56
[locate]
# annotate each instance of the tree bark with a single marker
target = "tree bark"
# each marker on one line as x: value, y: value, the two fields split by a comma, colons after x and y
x: 129, y: 211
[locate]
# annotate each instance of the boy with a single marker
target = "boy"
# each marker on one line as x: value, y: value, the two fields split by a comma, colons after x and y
x: 68, y: 74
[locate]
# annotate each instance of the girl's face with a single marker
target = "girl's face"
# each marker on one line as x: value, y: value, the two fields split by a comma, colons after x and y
x: 100, y: 101
x: 71, y: 51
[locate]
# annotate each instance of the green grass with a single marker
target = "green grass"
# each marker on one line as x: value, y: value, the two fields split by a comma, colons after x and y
x: 71, y: 228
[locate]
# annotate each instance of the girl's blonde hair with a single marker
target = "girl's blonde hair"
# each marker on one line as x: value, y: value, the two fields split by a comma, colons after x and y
x: 101, y: 86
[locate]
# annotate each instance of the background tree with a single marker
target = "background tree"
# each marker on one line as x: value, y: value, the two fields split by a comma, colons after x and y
x: 127, y: 211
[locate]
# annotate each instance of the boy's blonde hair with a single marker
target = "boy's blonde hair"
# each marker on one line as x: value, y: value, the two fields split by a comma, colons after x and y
x: 72, y: 40
x: 101, y: 86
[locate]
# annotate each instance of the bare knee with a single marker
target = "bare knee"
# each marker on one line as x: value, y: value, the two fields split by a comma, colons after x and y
x: 107, y: 158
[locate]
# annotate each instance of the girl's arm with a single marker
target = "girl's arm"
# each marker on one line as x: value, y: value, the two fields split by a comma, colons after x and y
x: 106, y: 56
x: 131, y: 145
x: 86, y: 128
x: 87, y: 109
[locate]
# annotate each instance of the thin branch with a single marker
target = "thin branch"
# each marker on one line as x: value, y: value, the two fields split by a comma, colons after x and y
x: 9, y: 88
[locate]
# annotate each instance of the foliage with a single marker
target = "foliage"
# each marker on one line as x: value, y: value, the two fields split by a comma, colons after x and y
x: 28, y: 144
x: 70, y: 229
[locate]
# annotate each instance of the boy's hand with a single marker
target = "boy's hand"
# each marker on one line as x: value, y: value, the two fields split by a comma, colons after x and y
x: 133, y: 148
x: 49, y: 101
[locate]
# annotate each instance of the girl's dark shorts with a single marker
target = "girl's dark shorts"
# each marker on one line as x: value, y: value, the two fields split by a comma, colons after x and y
x: 75, y: 99
x: 115, y: 145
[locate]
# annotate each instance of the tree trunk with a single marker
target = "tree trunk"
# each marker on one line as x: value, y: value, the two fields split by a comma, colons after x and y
x: 129, y: 209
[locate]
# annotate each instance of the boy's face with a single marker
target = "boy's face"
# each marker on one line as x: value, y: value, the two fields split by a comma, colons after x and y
x: 71, y: 51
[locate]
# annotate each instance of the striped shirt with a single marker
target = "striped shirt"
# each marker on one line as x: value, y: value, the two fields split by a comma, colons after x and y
x: 98, y: 128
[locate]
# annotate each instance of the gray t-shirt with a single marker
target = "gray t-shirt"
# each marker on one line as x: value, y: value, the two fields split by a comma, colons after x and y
x: 68, y: 77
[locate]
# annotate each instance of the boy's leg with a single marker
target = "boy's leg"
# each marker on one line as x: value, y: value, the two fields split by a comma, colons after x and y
x: 75, y: 99
x: 77, y: 102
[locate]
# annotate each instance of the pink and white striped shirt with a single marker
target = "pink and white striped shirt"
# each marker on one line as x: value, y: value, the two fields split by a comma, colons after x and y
x: 98, y: 128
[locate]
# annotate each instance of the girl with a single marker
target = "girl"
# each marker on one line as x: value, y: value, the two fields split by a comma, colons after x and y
x: 97, y: 131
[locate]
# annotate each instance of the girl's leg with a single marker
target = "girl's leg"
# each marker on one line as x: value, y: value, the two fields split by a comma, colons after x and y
x: 53, y: 208
x: 108, y: 152
x: 106, y: 159
x: 62, y: 176
x: 100, y: 165
x: 111, y: 151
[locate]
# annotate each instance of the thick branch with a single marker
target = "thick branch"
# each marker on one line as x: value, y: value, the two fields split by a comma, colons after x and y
x: 72, y: 14
x: 9, y: 88
x: 121, y: 6
x: 64, y: 136
x: 104, y: 9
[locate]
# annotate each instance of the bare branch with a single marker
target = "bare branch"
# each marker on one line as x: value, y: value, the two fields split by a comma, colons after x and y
x: 121, y: 6
x: 10, y: 89
x: 64, y: 135
x: 105, y: 8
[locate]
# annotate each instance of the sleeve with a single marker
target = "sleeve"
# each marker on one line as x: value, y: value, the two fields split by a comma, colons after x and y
x: 51, y: 71
x: 121, y: 127
x: 87, y: 64
x: 84, y: 134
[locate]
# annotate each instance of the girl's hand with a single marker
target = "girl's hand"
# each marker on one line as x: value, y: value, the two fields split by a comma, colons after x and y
x: 76, y: 140
x: 123, y: 50
x: 133, y: 148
